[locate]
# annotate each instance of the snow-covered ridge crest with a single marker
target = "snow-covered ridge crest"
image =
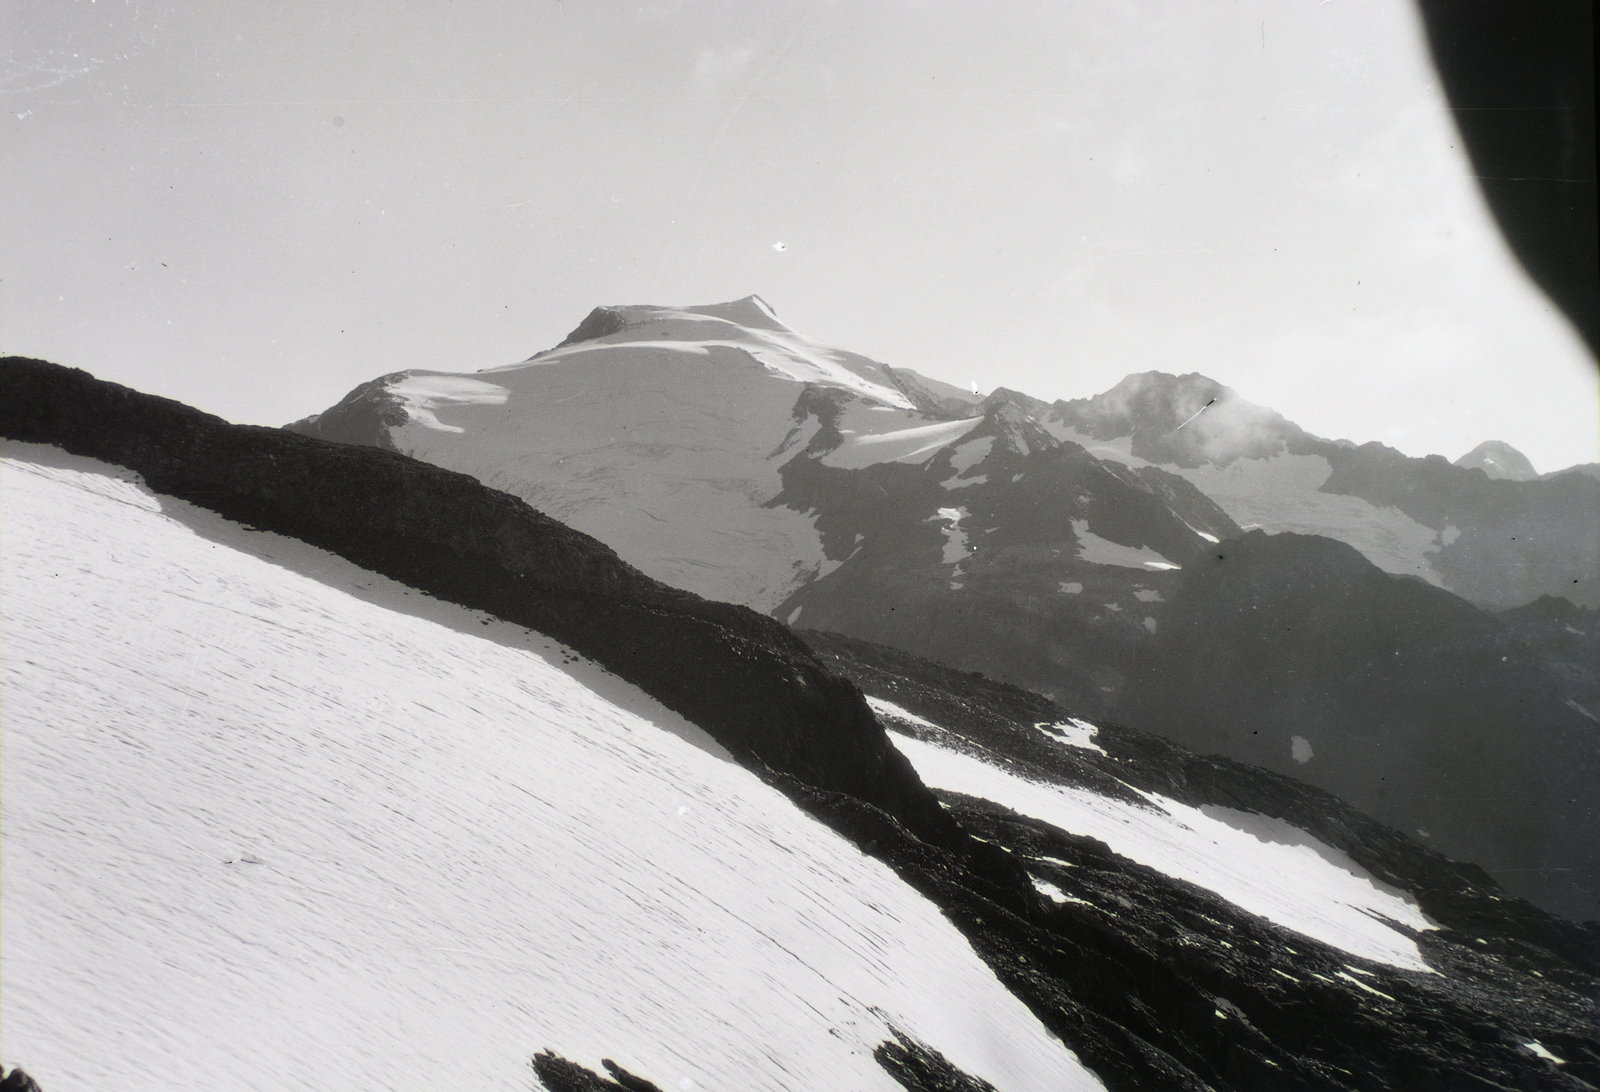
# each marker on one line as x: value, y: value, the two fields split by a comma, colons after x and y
x: 750, y: 325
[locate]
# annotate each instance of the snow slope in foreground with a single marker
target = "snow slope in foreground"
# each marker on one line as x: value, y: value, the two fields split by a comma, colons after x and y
x: 269, y: 816
x: 1262, y: 865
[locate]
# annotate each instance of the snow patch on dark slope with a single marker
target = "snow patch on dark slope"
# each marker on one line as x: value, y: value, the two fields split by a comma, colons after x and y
x: 1414, y: 706
x: 263, y: 806
x: 1138, y: 931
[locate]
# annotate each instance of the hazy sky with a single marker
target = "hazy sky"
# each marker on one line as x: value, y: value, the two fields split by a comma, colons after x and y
x: 254, y: 206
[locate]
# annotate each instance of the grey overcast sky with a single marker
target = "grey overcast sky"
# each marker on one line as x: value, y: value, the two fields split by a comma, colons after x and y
x: 255, y: 206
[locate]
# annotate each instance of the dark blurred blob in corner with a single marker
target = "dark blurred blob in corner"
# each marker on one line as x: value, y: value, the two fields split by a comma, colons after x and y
x: 1520, y: 78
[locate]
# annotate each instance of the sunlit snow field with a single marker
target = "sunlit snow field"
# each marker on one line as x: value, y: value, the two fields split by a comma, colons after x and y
x: 271, y: 819
x: 1262, y: 865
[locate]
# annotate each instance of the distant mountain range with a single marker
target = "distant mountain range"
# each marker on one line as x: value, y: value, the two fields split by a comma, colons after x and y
x: 1164, y: 554
x: 419, y: 786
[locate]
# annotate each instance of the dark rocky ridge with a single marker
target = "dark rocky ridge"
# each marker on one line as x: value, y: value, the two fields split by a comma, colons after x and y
x: 1003, y: 608
x: 601, y: 322
x: 739, y: 675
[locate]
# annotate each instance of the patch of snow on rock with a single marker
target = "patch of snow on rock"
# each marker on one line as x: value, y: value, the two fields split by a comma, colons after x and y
x: 1262, y: 865
x: 970, y: 454
x: 907, y: 445
x: 955, y: 539
x: 1100, y: 551
x: 1073, y: 732
x: 423, y: 394
x: 892, y: 711
x: 1537, y: 1048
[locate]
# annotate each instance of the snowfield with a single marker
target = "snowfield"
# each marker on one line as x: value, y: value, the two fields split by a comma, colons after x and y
x: 1283, y: 493
x: 272, y: 818
x: 1262, y: 865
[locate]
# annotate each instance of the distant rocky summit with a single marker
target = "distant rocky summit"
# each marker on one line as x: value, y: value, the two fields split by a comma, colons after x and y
x: 1499, y: 460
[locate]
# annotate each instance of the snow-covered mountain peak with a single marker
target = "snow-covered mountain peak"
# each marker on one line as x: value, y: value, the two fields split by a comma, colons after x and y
x: 752, y: 311
x: 748, y: 328
x: 661, y: 431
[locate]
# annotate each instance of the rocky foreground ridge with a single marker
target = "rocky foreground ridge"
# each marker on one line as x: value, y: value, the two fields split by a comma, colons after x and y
x: 1155, y: 983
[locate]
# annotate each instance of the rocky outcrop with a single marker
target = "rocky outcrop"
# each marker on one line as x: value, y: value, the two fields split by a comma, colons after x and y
x: 364, y: 416
x: 601, y: 322
x: 918, y: 1068
x: 18, y: 1081
x: 988, y: 555
x: 558, y: 1074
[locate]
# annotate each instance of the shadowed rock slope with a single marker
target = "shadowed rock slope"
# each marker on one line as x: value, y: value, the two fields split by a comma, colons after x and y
x: 1295, y: 653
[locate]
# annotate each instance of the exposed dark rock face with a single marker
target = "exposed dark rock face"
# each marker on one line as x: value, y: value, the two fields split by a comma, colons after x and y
x: 18, y: 1081
x: 740, y: 675
x: 921, y: 1069
x: 1567, y: 639
x: 917, y: 1067
x: 601, y: 322
x: 995, y: 590
x: 364, y: 416
x: 938, y: 400
x: 558, y: 1074
x: 1157, y: 984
